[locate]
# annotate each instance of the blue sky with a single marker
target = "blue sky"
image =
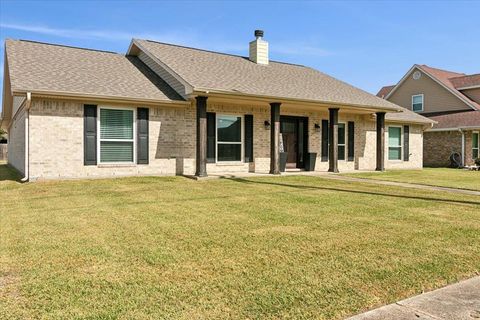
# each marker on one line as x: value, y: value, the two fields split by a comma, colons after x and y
x: 368, y: 44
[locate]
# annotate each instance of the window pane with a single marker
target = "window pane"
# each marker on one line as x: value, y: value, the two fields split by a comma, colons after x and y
x: 394, y: 137
x: 116, y: 151
x: 475, y: 140
x: 229, y: 128
x: 341, y: 152
x: 475, y: 153
x: 394, y: 153
x: 287, y: 127
x: 229, y: 152
x: 417, y: 99
x: 417, y: 107
x: 341, y: 133
x: 116, y: 124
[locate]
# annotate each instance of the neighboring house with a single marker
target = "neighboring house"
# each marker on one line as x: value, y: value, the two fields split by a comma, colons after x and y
x: 452, y: 100
x: 165, y: 109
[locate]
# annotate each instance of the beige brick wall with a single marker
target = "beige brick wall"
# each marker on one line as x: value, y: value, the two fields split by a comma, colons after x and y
x: 56, y: 141
x: 16, y: 142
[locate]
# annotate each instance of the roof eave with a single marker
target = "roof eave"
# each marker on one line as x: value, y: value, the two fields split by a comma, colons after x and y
x: 267, y: 98
x: 107, y: 98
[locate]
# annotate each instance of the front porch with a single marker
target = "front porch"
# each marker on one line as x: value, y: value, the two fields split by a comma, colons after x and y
x: 271, y: 138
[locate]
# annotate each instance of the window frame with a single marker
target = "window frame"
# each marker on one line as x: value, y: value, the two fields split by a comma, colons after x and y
x: 345, y: 125
x: 401, y: 143
x: 133, y: 140
x: 423, y: 102
x: 478, y: 144
x: 241, y: 143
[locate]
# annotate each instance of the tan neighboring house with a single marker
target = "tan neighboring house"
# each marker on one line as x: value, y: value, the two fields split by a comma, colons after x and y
x: 163, y: 109
x: 451, y: 99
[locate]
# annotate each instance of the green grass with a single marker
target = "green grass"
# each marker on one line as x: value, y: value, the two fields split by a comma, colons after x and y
x: 256, y: 248
x: 442, y: 177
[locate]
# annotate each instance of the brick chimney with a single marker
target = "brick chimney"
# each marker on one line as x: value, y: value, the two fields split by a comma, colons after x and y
x: 259, y: 49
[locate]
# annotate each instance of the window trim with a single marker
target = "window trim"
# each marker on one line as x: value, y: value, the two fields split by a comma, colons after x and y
x: 423, y: 102
x: 241, y: 143
x: 401, y: 144
x: 134, y: 135
x: 478, y: 144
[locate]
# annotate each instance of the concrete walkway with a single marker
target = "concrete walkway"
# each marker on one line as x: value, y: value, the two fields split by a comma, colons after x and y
x: 401, y: 184
x: 334, y: 176
x: 460, y: 301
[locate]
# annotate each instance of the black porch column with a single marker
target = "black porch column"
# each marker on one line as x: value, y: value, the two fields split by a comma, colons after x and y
x: 333, y: 138
x: 380, y: 141
x: 275, y: 138
x: 201, y: 160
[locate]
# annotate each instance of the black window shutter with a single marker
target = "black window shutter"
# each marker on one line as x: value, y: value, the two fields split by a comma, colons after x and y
x: 248, y: 138
x: 211, y: 140
x: 142, y: 135
x: 89, y: 135
x: 324, y: 140
x: 406, y: 143
x: 351, y: 140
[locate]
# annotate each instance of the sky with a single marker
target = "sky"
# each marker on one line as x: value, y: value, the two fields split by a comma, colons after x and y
x: 368, y: 44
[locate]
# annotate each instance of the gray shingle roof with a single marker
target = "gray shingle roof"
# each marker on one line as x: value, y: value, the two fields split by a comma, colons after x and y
x: 408, y: 116
x: 236, y: 74
x: 37, y: 66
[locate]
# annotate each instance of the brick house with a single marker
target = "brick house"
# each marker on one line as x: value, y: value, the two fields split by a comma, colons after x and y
x: 452, y: 100
x: 163, y: 109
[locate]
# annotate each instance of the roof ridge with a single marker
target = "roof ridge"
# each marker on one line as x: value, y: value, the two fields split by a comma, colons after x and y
x: 216, y: 52
x: 444, y: 70
x: 67, y: 46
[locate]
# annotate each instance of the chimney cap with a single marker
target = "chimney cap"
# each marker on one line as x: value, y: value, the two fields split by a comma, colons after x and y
x: 258, y: 33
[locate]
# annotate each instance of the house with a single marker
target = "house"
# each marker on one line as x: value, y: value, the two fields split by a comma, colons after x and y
x: 163, y: 109
x: 449, y: 98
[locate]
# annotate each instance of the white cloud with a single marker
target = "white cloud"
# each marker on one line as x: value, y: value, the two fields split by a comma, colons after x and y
x: 182, y: 37
x: 108, y: 35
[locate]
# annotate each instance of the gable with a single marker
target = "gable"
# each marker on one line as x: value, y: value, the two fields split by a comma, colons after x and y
x: 436, y: 97
x: 472, y: 94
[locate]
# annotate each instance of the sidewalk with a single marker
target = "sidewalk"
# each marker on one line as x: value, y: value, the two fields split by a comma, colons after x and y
x: 459, y: 301
x: 401, y: 184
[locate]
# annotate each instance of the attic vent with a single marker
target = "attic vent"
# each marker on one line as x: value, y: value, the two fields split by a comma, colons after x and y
x: 416, y: 75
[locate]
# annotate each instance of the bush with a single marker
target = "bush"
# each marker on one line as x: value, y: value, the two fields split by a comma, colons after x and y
x: 477, y: 161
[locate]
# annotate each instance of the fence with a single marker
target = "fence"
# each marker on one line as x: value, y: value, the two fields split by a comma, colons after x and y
x: 3, y: 152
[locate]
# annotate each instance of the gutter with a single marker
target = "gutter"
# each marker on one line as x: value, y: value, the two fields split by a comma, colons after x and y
x: 28, y: 104
x: 101, y: 98
x: 454, y: 129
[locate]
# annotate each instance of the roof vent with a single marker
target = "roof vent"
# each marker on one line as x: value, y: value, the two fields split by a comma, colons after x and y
x: 259, y: 49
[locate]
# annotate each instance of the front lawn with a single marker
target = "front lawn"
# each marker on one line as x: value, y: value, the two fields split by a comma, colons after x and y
x: 256, y: 248
x: 442, y: 177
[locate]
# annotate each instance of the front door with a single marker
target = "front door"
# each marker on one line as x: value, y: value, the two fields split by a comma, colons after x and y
x: 293, y: 135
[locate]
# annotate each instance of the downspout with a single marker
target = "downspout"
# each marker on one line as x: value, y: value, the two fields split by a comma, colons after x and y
x: 28, y: 103
x: 463, y: 146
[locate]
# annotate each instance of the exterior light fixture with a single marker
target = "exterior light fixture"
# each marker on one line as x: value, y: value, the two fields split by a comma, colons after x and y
x: 317, y: 127
x: 267, y: 125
